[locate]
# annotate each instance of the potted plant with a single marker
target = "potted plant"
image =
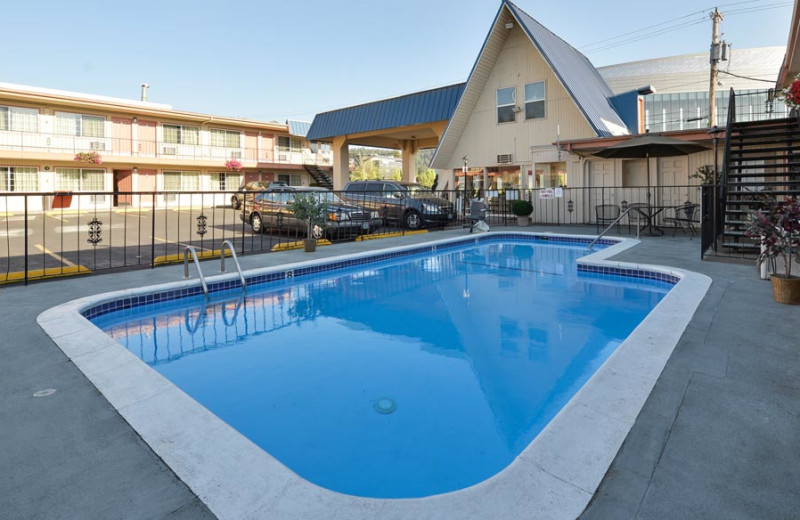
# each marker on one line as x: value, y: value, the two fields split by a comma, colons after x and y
x: 314, y: 211
x: 522, y: 209
x: 791, y: 96
x: 777, y: 225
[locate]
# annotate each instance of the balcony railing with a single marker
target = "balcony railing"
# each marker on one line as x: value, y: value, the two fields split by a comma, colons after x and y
x: 122, y: 148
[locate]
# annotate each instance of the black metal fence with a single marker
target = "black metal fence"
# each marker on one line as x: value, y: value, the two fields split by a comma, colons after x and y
x: 44, y: 235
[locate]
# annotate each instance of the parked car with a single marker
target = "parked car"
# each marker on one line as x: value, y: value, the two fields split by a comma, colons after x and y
x: 270, y: 209
x: 237, y: 198
x: 409, y: 204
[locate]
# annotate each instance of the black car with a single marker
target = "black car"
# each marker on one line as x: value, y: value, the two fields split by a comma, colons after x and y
x: 237, y: 198
x: 410, y: 204
x: 270, y: 209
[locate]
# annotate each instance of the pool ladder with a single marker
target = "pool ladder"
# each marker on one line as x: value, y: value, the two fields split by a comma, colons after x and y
x: 190, y: 250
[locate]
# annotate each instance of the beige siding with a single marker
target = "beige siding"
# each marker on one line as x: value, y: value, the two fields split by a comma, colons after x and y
x: 518, y: 64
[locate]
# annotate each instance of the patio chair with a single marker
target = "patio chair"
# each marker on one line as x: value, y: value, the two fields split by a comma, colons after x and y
x: 684, y: 218
x: 638, y: 214
x: 477, y: 216
x: 606, y: 214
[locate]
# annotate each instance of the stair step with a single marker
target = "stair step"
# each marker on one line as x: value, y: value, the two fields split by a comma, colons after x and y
x: 766, y: 138
x: 750, y: 151
x: 792, y: 184
x: 736, y: 193
x: 764, y: 166
x: 739, y: 245
x: 764, y: 123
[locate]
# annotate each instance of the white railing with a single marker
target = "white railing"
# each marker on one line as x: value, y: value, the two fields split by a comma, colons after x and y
x: 115, y: 147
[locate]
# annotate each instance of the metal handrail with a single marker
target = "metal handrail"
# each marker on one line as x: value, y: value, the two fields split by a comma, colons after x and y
x: 229, y: 245
x: 638, y: 227
x: 191, y: 250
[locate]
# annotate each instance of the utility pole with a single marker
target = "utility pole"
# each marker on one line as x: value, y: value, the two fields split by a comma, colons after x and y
x: 716, y: 56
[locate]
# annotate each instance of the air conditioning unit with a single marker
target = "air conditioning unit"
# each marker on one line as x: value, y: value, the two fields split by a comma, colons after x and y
x: 97, y: 199
x: 97, y: 145
x: 506, y: 158
x: 169, y: 150
x: 283, y: 157
x: 236, y: 155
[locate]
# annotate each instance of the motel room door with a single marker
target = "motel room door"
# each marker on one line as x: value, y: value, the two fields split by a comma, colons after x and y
x: 122, y: 136
x: 123, y: 186
x: 147, y: 138
x: 601, y: 180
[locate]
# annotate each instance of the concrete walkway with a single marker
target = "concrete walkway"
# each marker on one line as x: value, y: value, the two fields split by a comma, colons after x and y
x: 719, y: 436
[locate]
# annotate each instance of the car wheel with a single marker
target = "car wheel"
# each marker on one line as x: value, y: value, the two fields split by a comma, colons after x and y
x: 412, y: 220
x: 256, y: 223
x: 235, y: 204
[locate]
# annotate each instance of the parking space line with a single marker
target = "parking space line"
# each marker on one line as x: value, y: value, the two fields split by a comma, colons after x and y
x: 50, y: 272
x: 58, y: 257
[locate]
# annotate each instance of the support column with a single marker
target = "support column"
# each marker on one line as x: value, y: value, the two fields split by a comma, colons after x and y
x: 341, y: 163
x: 410, y: 161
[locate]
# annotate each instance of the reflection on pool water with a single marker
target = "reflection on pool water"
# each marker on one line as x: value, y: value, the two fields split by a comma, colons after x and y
x: 402, y: 378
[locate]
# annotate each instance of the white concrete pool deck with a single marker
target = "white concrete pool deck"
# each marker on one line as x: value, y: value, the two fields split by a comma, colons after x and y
x: 554, y: 477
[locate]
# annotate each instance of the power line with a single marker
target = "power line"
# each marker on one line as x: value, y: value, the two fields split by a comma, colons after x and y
x: 746, y: 77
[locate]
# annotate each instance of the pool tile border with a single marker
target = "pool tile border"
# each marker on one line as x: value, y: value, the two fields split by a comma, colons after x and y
x: 260, y: 279
x: 554, y: 477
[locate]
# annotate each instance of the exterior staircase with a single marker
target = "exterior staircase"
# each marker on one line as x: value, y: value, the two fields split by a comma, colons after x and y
x: 762, y: 161
x: 320, y: 176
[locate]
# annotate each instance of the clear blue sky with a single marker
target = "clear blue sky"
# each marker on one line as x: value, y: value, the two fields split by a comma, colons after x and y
x: 274, y: 60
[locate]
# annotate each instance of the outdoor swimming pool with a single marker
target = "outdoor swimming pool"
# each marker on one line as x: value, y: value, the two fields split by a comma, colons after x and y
x: 409, y: 376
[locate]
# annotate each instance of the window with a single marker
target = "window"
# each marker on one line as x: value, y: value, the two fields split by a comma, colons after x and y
x: 293, y: 179
x: 225, y: 181
x: 506, y: 104
x: 19, y: 119
x: 225, y: 138
x: 76, y: 179
x: 80, y: 125
x: 289, y: 144
x: 181, y: 181
x: 534, y: 100
x: 178, y: 134
x: 19, y: 179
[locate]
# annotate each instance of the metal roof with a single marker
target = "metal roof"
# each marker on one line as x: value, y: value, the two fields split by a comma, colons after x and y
x: 689, y: 72
x: 577, y: 74
x: 298, y: 128
x: 412, y: 109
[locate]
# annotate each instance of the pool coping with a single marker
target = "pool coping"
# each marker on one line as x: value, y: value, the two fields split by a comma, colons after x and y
x: 555, y: 476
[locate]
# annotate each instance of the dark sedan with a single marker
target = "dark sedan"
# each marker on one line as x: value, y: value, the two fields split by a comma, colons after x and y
x: 270, y: 210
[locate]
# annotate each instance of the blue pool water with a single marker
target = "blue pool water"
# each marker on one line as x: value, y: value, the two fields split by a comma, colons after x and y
x: 403, y: 378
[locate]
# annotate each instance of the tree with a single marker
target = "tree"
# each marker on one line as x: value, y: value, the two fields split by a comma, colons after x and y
x: 426, y: 177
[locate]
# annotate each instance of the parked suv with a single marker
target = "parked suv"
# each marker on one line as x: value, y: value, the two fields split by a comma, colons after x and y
x: 412, y: 205
x: 270, y: 209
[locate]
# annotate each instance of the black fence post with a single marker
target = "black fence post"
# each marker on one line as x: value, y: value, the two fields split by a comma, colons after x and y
x: 153, y: 234
x: 26, y: 239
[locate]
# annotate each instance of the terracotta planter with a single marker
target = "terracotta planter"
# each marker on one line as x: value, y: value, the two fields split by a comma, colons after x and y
x: 309, y: 245
x: 523, y: 221
x: 786, y: 290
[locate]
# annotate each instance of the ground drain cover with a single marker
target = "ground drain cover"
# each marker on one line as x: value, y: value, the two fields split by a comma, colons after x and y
x: 44, y: 393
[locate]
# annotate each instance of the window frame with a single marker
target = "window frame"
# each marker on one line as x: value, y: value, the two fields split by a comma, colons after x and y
x: 513, y: 104
x: 543, y: 100
x: 6, y: 113
x: 9, y: 184
x: 295, y: 144
x: 181, y: 134
x: 81, y: 179
x: 183, y: 175
x: 79, y: 124
x: 226, y: 133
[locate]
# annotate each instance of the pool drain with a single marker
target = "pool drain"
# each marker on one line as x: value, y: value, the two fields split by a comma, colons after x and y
x: 385, y: 405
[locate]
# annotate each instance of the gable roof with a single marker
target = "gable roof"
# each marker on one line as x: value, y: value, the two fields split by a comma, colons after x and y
x: 412, y: 109
x: 574, y: 71
x: 298, y: 128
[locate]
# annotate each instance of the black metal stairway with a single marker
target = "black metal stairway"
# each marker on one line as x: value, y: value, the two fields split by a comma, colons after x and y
x: 321, y: 178
x: 763, y: 161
